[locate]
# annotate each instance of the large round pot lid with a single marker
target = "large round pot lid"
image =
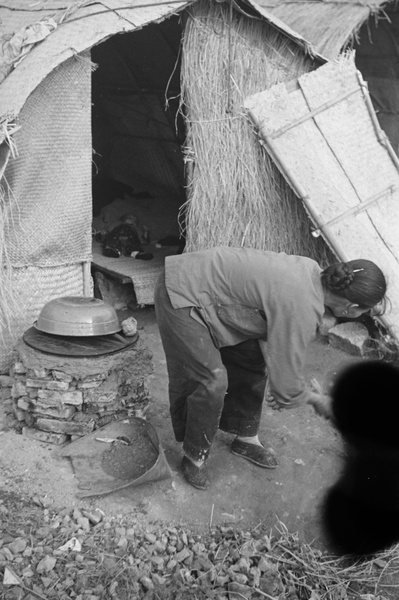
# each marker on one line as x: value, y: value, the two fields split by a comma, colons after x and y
x: 78, y: 316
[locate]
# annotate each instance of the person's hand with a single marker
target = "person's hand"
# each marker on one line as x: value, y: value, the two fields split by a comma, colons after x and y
x: 322, y: 403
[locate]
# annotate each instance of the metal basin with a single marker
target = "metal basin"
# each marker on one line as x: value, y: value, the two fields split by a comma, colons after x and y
x: 78, y: 316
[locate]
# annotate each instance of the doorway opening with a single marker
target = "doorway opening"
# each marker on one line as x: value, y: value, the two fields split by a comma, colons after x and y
x: 138, y: 134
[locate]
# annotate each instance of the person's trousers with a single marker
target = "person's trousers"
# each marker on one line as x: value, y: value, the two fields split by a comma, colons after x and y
x: 209, y: 388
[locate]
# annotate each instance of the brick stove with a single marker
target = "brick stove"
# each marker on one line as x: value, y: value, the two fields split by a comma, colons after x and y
x: 60, y: 397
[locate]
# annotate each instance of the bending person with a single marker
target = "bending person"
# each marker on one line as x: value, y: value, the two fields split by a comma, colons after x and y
x: 230, y: 318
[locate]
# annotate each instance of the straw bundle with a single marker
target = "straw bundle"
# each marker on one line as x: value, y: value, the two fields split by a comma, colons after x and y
x: 236, y: 195
x: 10, y: 306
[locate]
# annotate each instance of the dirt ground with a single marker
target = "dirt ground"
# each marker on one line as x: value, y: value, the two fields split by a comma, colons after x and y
x: 308, y: 448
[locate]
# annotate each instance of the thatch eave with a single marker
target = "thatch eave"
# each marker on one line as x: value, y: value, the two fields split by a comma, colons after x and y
x: 80, y: 26
x: 279, y: 23
x: 84, y: 28
x: 329, y: 25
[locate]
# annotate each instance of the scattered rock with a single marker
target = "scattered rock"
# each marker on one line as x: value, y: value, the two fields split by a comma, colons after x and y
x: 18, y: 546
x: 46, y: 565
x: 147, y: 583
x: 349, y: 337
x: 238, y: 589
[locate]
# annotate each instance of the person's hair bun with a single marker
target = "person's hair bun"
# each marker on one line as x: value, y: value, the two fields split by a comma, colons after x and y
x: 339, y: 276
x: 360, y: 281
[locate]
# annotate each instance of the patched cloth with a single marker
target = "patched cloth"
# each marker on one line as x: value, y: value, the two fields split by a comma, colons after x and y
x: 242, y: 293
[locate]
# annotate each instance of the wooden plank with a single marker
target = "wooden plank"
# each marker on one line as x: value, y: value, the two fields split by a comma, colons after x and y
x: 355, y: 210
x: 114, y: 274
x: 315, y: 112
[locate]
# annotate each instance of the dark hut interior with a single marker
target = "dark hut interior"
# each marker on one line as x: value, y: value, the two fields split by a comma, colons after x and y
x: 138, y: 131
x: 377, y: 58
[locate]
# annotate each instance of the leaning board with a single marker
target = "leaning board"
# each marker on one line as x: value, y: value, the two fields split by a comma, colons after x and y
x: 323, y: 135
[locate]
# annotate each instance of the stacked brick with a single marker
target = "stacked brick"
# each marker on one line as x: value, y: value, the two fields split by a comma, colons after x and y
x: 60, y: 398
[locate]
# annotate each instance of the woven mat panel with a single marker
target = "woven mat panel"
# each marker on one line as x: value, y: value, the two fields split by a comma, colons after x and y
x: 34, y: 287
x: 50, y: 179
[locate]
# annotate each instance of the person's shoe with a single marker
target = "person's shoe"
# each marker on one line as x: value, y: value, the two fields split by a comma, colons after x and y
x: 143, y: 255
x: 195, y: 476
x: 111, y: 252
x: 259, y: 455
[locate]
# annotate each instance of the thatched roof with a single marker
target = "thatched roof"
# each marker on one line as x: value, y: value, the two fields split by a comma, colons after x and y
x: 329, y: 25
x: 35, y: 39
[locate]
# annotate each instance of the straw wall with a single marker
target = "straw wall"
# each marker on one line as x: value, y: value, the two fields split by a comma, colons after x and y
x: 236, y: 196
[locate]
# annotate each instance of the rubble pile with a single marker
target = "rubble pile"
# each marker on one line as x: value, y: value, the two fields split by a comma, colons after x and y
x: 81, y: 554
x: 61, y: 398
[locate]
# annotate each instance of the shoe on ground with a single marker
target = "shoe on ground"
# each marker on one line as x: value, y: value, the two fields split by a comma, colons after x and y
x: 258, y: 455
x: 195, y: 476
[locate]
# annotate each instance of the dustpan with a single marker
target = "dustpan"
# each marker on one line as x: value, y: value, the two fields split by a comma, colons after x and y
x: 121, y: 454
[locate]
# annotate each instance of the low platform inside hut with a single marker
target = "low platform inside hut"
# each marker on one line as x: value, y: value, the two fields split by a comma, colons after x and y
x: 142, y: 274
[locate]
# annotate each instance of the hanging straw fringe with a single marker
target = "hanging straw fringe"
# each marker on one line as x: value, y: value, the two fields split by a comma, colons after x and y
x: 84, y: 59
x: 9, y: 302
x: 7, y: 129
x: 236, y: 196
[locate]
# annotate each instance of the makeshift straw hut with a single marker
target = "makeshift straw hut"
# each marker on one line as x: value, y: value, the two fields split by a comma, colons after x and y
x: 152, y: 96
x: 370, y: 27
